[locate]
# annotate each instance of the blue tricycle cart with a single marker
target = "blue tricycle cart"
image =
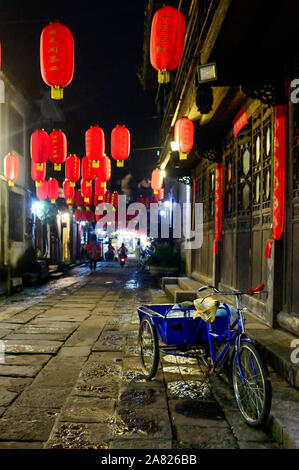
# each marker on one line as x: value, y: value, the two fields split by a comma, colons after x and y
x: 214, y: 333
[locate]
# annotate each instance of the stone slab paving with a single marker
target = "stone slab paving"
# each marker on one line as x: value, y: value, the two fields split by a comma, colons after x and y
x: 72, y: 375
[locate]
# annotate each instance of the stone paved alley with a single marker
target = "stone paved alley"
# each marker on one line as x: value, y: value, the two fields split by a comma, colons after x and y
x: 70, y: 364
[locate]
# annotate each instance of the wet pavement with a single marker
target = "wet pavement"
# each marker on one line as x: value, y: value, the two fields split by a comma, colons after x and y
x: 71, y: 377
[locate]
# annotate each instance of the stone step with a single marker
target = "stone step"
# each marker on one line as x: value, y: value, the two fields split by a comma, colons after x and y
x: 16, y: 283
x: 56, y: 275
x: 170, y: 290
x: 188, y: 284
x: 31, y: 279
x: 53, y: 268
x: 283, y: 422
x: 178, y: 295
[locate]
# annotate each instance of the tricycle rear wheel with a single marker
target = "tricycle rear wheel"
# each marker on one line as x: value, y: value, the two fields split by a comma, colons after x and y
x: 148, y: 348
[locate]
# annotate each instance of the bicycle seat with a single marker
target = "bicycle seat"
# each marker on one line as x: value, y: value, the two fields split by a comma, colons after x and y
x: 207, y: 309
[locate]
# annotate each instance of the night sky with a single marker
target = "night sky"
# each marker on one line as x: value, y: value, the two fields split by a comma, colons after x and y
x: 105, y: 90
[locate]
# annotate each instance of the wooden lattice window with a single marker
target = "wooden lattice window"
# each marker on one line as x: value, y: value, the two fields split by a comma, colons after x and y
x: 245, y: 177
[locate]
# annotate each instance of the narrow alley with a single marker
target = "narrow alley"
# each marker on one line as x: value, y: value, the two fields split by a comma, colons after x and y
x: 71, y: 377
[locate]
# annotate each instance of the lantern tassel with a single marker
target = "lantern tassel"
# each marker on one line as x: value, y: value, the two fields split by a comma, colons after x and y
x: 11, y: 183
x: 57, y: 167
x: 183, y: 156
x: 163, y: 76
x: 56, y: 92
x: 120, y: 163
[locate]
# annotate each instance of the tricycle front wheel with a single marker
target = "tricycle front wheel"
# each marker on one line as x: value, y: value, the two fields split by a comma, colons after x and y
x: 148, y: 348
x: 253, y: 390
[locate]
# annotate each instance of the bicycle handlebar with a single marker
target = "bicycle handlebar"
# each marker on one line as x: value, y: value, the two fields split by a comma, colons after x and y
x: 250, y: 291
x: 257, y: 290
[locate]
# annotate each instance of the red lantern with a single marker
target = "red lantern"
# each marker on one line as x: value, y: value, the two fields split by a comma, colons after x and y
x: 72, y: 169
x: 114, y: 199
x: 95, y: 144
x: 86, y: 190
x: 99, y: 189
x: 78, y: 198
x: 157, y: 180
x: 90, y: 216
x: 87, y: 204
x: 167, y: 41
x: 57, y: 58
x: 68, y: 191
x: 38, y: 174
x: 57, y: 149
x: 42, y: 190
x: 39, y: 147
x: 78, y: 215
x: 11, y: 168
x: 279, y: 176
x: 53, y: 190
x: 87, y: 170
x: 159, y: 196
x: 120, y: 144
x: 83, y: 215
x: 218, y: 207
x: 104, y: 170
x: 184, y: 136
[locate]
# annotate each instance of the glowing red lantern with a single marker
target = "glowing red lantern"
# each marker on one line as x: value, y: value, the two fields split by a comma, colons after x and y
x: 42, y: 190
x: 78, y: 215
x: 83, y: 215
x: 95, y: 144
x: 38, y: 172
x: 11, y: 168
x: 120, y: 144
x: 87, y: 204
x: 99, y: 189
x: 72, y: 169
x: 86, y: 190
x: 39, y: 147
x: 90, y: 216
x: 78, y: 198
x: 57, y: 58
x: 68, y: 191
x: 104, y: 170
x: 184, y: 136
x: 114, y: 199
x: 87, y: 170
x: 57, y: 148
x: 159, y: 196
x: 167, y: 41
x: 157, y: 180
x: 53, y: 190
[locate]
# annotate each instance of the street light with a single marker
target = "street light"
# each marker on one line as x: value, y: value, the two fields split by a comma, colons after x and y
x: 174, y: 146
x: 207, y: 72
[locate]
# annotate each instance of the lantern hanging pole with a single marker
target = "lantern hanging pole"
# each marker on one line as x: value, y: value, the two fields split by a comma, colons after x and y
x: 141, y: 149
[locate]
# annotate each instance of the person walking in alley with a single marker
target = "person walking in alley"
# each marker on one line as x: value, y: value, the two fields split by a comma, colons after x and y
x: 93, y: 252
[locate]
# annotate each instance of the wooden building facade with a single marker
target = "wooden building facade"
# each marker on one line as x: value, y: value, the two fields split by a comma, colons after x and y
x: 256, y: 66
